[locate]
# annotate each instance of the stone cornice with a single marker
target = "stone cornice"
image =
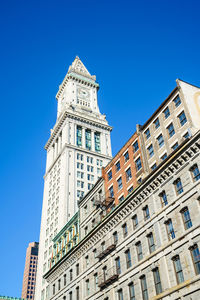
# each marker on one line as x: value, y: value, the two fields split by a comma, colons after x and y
x: 152, y: 182
x: 74, y: 116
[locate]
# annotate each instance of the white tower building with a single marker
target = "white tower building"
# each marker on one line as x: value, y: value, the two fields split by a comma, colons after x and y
x: 78, y: 147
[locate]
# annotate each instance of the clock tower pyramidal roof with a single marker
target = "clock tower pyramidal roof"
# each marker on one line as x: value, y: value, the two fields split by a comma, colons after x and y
x: 78, y: 67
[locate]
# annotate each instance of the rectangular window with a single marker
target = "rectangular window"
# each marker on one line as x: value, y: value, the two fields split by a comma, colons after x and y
x: 128, y: 174
x: 135, y: 146
x: 170, y: 230
x: 130, y: 189
x: 77, y: 293
x: 182, y: 118
x: 157, y: 281
x: 195, y: 172
x: 146, y: 212
x: 71, y: 275
x: 131, y: 291
x: 128, y: 258
x: 178, y: 186
x: 97, y: 141
x: 125, y: 230
x: 59, y: 284
x: 70, y: 296
x: 88, y: 139
x: 154, y: 167
x: 111, y: 191
x: 95, y: 281
x: 147, y: 134
x: 87, y: 283
x: 175, y: 146
x: 178, y: 269
x: 118, y: 265
x: 121, y: 199
x: 186, y: 218
x: 160, y: 140
x: 120, y: 295
x: 138, y: 164
x: 166, y: 112
x: 115, y: 237
x: 163, y: 198
x: 196, y: 258
x: 157, y: 123
x: 117, y: 166
x: 135, y: 221
x: 177, y: 101
x: 139, y: 251
x: 77, y: 269
x: 151, y: 152
x: 65, y: 279
x: 144, y: 288
x: 119, y: 182
x: 110, y: 175
x: 171, y: 130
x: 152, y: 247
x: 186, y: 135
x: 164, y: 156
x: 126, y: 156
x: 79, y: 136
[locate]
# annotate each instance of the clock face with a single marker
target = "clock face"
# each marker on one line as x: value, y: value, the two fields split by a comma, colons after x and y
x: 83, y: 93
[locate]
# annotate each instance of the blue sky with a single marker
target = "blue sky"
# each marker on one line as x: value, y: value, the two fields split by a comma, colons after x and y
x: 136, y: 49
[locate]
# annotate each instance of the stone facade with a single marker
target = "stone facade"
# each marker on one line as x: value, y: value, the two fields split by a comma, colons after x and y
x: 77, y: 149
x: 147, y: 247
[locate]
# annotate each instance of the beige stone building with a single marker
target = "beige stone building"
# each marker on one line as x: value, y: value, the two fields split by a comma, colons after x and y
x: 147, y: 246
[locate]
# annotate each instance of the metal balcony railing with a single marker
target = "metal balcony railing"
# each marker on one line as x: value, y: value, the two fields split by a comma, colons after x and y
x: 105, y: 248
x: 107, y: 277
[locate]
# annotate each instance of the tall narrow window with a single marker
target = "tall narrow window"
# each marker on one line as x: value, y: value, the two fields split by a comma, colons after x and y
x: 79, y: 136
x: 65, y: 279
x: 110, y: 175
x: 147, y: 134
x: 118, y: 266
x: 77, y: 293
x: 135, y: 146
x: 59, y: 284
x: 171, y: 130
x: 70, y: 296
x: 115, y: 237
x: 54, y: 288
x: 117, y: 166
x: 128, y: 174
x: 157, y: 123
x: 135, y: 221
x: 126, y: 156
x: 95, y: 281
x: 178, y: 186
x: 119, y: 182
x: 146, y: 212
x: 186, y: 218
x: 163, y: 198
x: 88, y: 139
x: 178, y: 269
x: 120, y: 295
x: 144, y: 288
x: 128, y: 258
x: 195, y: 172
x: 111, y: 191
x: 131, y: 291
x: 125, y: 230
x: 139, y: 250
x: 182, y: 118
x: 151, y: 151
x: 170, y: 230
x: 77, y: 269
x: 151, y: 243
x: 177, y: 101
x: 160, y: 140
x: 70, y: 275
x: 87, y: 284
x: 166, y: 113
x: 138, y: 164
x: 157, y: 281
x: 97, y: 141
x: 196, y: 258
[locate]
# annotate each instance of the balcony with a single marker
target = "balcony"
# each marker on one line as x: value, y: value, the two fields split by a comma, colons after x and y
x: 105, y: 248
x: 107, y: 277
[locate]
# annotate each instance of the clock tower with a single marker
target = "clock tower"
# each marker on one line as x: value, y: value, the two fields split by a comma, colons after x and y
x: 78, y: 147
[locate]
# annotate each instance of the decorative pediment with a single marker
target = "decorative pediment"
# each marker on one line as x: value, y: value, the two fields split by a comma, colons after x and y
x: 79, y: 68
